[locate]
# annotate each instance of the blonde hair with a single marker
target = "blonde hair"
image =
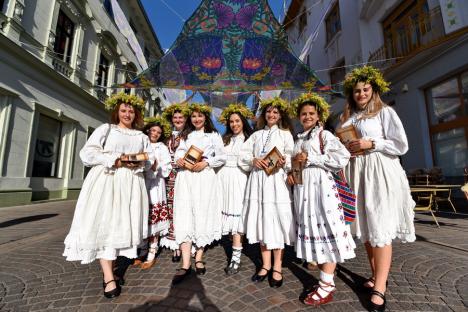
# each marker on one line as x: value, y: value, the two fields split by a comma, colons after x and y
x: 373, y: 107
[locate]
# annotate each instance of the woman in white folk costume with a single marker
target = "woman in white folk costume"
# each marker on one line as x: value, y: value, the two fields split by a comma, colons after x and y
x: 383, y: 198
x: 111, y: 215
x: 177, y: 115
x: 322, y: 234
x: 267, y: 215
x: 197, y: 213
x: 157, y: 129
x: 232, y: 178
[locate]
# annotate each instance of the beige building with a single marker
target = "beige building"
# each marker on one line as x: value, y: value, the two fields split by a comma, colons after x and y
x: 57, y: 58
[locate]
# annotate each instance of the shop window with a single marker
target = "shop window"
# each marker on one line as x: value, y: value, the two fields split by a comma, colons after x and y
x: 447, y: 104
x: 64, y: 33
x: 87, y: 169
x: 333, y: 22
x: 47, y: 148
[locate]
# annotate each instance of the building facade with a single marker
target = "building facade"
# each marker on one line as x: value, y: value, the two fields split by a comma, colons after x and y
x: 420, y: 45
x: 57, y: 60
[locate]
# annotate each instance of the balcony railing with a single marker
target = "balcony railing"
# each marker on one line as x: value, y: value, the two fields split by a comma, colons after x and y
x: 412, y: 36
x: 62, y: 67
x: 101, y: 95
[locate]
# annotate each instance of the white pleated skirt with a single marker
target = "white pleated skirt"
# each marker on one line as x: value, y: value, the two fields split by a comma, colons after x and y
x: 267, y: 216
x: 111, y: 216
x: 322, y: 234
x: 197, y: 211
x: 383, y: 198
x: 232, y: 181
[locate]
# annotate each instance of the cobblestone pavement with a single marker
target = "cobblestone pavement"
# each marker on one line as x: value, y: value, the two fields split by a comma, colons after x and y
x: 429, y: 275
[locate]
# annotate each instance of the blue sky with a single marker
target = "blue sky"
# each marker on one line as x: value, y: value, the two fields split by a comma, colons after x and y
x: 168, y: 23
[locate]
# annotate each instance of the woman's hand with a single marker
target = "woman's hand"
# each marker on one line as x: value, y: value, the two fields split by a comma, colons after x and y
x: 290, y: 179
x: 180, y: 163
x: 199, y: 166
x: 301, y: 157
x: 356, y: 146
x: 260, y: 163
x: 281, y: 162
x: 117, y: 163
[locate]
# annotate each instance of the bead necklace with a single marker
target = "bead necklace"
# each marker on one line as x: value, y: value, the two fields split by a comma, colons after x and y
x: 267, y: 140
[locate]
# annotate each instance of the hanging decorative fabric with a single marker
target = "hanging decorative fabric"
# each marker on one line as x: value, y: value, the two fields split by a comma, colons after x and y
x: 230, y: 46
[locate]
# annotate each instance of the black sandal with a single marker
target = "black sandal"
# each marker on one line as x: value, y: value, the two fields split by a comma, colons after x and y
x: 200, y: 271
x: 112, y: 293
x: 260, y: 278
x: 276, y: 283
x: 374, y: 307
x: 178, y: 278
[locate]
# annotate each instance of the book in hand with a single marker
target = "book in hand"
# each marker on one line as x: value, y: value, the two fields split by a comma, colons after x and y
x: 192, y: 156
x: 296, y: 172
x: 272, y: 159
x: 134, y: 158
x: 348, y: 134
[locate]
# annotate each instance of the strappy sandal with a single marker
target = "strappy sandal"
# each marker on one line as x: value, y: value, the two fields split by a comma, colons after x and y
x: 274, y: 283
x: 310, y: 300
x: 374, y: 307
x: 260, y: 278
x: 112, y: 293
x: 200, y: 271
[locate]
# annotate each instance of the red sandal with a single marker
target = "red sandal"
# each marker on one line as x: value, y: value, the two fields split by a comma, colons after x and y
x: 309, y: 299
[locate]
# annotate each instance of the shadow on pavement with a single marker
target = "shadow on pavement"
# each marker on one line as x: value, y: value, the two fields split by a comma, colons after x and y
x: 354, y: 281
x: 180, y: 298
x: 27, y: 219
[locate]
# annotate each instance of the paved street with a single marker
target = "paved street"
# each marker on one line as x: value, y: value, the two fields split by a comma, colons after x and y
x: 429, y: 275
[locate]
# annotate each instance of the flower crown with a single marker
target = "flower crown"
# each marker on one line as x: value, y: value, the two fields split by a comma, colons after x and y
x: 367, y: 74
x: 130, y: 99
x: 161, y: 122
x: 238, y: 108
x: 199, y: 107
x: 322, y: 106
x: 275, y: 102
x: 172, y: 109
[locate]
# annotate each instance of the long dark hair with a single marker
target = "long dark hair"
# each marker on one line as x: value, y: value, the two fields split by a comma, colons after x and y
x: 246, y: 129
x: 147, y: 128
x: 284, y: 123
x: 188, y: 128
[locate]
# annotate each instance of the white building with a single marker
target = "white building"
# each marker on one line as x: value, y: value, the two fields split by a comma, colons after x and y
x: 53, y: 54
x: 424, y: 45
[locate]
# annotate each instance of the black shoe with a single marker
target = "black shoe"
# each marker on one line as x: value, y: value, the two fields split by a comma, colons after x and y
x: 114, y: 292
x: 178, y: 278
x: 275, y: 283
x: 373, y: 307
x: 176, y: 258
x: 232, y: 268
x: 200, y: 271
x: 260, y: 278
x: 370, y: 288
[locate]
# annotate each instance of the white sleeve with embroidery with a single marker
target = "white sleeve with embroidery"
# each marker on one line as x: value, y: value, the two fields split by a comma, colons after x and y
x: 335, y: 156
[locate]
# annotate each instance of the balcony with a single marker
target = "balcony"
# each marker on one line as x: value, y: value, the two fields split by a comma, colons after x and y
x: 410, y: 36
x: 62, y: 67
x: 101, y: 95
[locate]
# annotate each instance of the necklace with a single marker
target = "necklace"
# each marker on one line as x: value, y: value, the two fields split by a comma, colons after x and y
x: 267, y: 140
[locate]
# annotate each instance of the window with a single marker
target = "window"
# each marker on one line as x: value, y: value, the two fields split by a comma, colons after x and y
x: 448, y: 123
x: 302, y: 21
x: 333, y: 22
x: 64, y: 37
x: 412, y: 26
x: 337, y: 75
x: 103, y: 71
x: 46, y: 153
x: 2, y: 2
x: 87, y: 169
